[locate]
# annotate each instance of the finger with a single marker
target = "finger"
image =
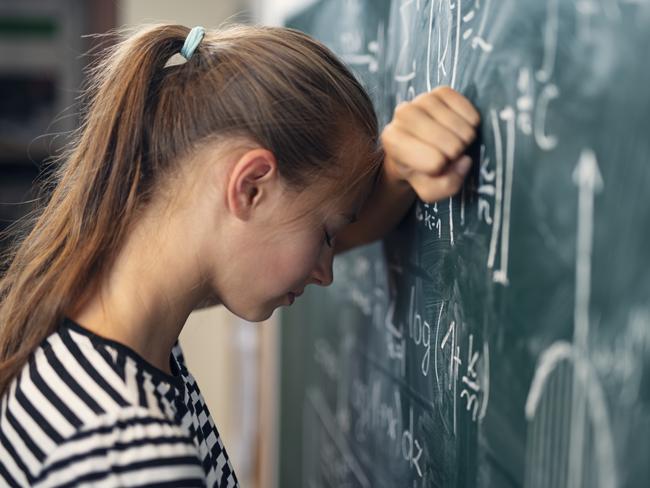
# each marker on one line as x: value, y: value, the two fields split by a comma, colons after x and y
x: 417, y: 122
x: 404, y: 147
x: 459, y: 104
x: 448, y: 118
x: 434, y: 188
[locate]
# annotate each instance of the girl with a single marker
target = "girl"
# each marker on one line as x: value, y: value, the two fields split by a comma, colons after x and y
x: 231, y: 178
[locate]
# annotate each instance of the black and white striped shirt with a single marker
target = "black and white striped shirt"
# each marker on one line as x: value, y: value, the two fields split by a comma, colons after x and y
x: 87, y: 411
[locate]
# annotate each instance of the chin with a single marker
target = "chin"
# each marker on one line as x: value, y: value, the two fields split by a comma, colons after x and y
x: 263, y: 315
x: 258, y: 315
x: 254, y: 308
x: 210, y: 301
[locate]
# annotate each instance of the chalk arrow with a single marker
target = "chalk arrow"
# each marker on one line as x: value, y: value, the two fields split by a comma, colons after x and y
x: 589, y: 181
x: 587, y: 173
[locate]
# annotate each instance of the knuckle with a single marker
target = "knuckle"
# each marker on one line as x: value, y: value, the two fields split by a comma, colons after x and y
x: 387, y: 134
x: 443, y: 90
x: 431, y: 102
x: 456, y: 148
x: 424, y: 101
x: 469, y: 135
x: 438, y: 162
x: 446, y: 185
x: 426, y: 193
x: 400, y: 108
x: 422, y: 97
x: 451, y: 185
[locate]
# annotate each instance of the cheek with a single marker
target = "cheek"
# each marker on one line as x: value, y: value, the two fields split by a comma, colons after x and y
x: 297, y: 259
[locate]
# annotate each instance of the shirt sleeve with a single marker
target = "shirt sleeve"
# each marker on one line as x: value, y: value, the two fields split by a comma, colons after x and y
x: 134, y: 449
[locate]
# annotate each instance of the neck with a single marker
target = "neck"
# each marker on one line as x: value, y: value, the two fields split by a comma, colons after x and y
x: 146, y: 297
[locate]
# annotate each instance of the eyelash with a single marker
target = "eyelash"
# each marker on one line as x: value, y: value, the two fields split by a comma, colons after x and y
x: 328, y: 239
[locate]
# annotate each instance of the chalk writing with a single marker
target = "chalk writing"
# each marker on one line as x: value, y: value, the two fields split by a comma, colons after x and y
x: 326, y: 358
x: 549, y: 90
x: 354, y: 43
x: 406, y: 63
x: 486, y: 189
x: 503, y: 193
x: 478, y: 40
x: 420, y: 333
x: 378, y: 412
x: 346, y: 463
x: 429, y: 215
x: 475, y: 372
x: 544, y: 140
x: 395, y: 341
x: 525, y: 101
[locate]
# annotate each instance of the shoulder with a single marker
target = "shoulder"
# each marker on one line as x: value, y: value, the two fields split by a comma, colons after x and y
x: 124, y: 448
x: 82, y: 377
x: 75, y: 393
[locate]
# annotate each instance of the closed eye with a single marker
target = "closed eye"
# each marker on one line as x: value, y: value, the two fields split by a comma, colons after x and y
x: 328, y: 239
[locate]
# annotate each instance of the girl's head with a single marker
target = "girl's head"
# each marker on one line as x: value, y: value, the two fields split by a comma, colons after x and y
x: 263, y: 130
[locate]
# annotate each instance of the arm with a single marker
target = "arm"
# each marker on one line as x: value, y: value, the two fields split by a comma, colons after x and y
x: 424, y: 145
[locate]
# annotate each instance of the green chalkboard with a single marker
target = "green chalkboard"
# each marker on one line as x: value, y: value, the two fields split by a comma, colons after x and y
x: 500, y: 338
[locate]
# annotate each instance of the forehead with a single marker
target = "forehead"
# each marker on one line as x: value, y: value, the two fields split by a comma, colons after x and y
x: 344, y: 187
x: 346, y: 191
x: 362, y: 167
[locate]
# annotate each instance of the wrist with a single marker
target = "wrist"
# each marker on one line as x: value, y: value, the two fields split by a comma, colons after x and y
x: 391, y: 171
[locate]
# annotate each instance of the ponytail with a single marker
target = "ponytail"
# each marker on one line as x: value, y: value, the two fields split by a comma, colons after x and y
x: 96, y: 192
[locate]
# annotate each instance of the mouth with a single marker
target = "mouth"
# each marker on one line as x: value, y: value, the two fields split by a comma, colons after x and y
x: 293, y: 295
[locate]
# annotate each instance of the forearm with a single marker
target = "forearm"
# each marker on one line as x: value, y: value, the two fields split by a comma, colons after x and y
x: 389, y: 201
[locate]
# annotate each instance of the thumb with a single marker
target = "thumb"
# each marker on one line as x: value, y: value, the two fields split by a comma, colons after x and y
x: 462, y: 165
x: 433, y: 188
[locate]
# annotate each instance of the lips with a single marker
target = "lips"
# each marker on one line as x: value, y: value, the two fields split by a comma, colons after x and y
x: 293, y: 295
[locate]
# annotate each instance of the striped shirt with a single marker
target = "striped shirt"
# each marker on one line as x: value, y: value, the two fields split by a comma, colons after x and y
x: 88, y: 411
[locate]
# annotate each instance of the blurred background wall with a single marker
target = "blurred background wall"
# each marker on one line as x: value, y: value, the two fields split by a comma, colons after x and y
x: 42, y: 56
x: 274, y: 12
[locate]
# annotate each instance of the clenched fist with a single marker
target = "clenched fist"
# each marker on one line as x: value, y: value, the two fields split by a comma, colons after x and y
x: 425, y: 141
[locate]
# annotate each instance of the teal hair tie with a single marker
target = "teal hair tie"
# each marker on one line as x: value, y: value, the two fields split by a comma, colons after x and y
x: 192, y: 41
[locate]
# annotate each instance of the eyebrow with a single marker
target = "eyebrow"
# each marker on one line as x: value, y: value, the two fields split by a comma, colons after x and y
x: 352, y: 217
x: 375, y: 178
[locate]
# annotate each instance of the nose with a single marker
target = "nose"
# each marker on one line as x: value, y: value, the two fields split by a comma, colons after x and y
x: 323, y: 274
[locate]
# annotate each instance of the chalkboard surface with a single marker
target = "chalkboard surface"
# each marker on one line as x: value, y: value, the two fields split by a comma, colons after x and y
x: 500, y: 338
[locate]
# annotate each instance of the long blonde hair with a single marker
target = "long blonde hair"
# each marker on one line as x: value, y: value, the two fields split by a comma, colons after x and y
x: 276, y: 86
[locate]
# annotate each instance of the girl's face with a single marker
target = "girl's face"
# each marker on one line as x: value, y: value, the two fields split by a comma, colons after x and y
x: 288, y: 245
x: 299, y: 252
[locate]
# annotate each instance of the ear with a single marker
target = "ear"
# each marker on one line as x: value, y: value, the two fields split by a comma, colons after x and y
x: 252, y: 180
